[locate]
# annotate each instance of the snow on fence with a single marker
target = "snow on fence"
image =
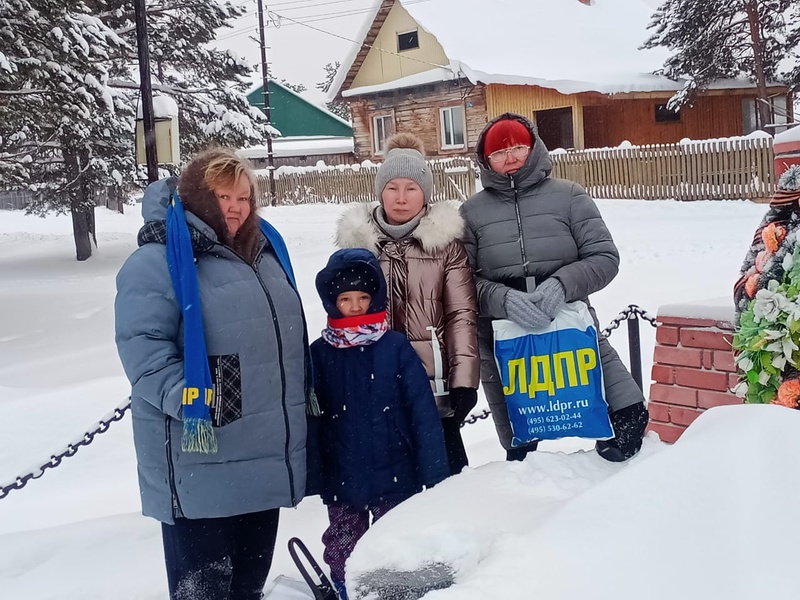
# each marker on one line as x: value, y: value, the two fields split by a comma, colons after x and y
x: 453, y: 178
x: 730, y: 168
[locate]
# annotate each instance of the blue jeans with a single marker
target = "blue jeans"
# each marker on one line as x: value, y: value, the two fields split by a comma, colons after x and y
x: 226, y: 558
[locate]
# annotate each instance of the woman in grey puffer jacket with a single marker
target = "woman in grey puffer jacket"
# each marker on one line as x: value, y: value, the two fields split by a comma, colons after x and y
x: 525, y: 230
x: 218, y: 502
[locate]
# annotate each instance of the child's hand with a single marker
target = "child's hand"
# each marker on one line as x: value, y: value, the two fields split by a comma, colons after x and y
x: 462, y: 401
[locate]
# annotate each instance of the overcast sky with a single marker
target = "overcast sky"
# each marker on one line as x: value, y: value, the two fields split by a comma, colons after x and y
x: 302, y: 35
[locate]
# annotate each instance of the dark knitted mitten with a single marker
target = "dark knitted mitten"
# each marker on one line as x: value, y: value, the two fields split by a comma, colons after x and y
x: 629, y: 424
x: 462, y: 400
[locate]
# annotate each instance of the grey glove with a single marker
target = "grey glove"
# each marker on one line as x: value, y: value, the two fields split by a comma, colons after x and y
x: 550, y: 297
x: 521, y: 309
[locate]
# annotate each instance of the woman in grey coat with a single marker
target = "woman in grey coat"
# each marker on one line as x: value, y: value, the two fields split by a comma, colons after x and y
x: 211, y: 334
x: 535, y: 243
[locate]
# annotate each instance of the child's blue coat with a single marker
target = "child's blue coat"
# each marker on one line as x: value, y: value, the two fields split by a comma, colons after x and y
x: 379, y: 437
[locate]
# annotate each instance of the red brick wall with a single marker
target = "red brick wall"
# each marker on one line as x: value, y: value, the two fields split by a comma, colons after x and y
x: 693, y: 371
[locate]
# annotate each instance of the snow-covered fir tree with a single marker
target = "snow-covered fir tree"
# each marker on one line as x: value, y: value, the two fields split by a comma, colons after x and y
x: 337, y: 107
x: 63, y: 130
x: 208, y: 84
x: 720, y: 39
x: 69, y: 82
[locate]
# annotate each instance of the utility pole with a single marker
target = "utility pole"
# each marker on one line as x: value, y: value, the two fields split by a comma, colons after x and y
x: 265, y: 79
x: 146, y: 91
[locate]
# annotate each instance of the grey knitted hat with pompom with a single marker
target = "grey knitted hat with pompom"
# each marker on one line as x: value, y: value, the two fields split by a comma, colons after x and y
x: 405, y: 157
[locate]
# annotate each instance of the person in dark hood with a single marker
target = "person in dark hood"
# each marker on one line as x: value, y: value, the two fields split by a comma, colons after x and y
x: 431, y: 290
x: 211, y: 334
x: 378, y: 439
x: 536, y: 243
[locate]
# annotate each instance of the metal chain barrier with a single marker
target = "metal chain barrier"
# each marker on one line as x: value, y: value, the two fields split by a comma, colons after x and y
x: 632, y: 313
x: 102, y: 426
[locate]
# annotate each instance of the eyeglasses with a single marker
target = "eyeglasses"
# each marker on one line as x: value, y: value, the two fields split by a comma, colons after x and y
x: 501, y: 156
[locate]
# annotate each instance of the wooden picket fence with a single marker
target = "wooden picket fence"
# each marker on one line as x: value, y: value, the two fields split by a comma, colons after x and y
x: 453, y: 178
x: 731, y: 168
x: 724, y: 169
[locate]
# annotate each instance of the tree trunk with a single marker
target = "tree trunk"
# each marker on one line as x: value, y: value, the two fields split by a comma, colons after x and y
x: 81, y: 231
x: 82, y: 211
x: 762, y: 104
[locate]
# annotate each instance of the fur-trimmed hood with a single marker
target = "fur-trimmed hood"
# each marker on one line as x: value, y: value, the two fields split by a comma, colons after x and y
x: 357, y: 227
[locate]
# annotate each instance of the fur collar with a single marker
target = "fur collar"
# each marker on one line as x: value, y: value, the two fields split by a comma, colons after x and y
x: 441, y: 225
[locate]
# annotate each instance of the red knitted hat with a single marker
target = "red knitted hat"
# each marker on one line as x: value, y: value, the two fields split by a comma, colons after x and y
x: 505, y: 134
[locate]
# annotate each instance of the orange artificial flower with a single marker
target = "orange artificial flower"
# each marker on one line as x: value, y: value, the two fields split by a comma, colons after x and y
x: 751, y: 285
x: 762, y: 259
x: 773, y: 235
x: 788, y: 393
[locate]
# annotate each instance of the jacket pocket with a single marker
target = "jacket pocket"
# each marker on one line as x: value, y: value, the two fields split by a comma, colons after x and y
x: 226, y: 377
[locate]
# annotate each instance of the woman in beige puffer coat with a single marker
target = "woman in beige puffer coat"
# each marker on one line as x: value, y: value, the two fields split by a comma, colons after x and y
x: 431, y: 291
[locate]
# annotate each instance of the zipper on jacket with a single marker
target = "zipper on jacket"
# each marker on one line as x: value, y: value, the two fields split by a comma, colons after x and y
x: 177, y: 510
x: 279, y: 341
x: 519, y: 227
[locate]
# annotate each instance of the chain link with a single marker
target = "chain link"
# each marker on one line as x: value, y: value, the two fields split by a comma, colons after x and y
x: 631, y: 312
x: 71, y: 449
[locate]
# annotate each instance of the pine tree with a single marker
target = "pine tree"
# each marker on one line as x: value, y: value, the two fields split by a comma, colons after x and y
x: 69, y: 93
x: 722, y: 39
x: 337, y: 107
x: 61, y: 127
x: 209, y: 85
x: 297, y: 88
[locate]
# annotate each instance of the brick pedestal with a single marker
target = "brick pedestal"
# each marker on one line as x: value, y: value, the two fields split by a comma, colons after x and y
x: 693, y: 367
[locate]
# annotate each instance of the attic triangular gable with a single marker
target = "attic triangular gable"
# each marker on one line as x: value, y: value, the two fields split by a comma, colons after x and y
x: 357, y: 59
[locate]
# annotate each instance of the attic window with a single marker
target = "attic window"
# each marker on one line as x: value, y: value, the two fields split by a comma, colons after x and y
x: 666, y: 115
x: 407, y: 41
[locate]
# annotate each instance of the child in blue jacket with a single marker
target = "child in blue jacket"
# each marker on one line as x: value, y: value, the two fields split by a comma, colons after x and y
x: 379, y: 439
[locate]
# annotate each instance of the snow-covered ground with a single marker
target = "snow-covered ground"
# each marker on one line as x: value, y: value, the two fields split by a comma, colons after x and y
x: 77, y: 534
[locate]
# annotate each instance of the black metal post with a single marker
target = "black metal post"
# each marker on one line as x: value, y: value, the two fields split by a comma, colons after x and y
x: 265, y: 84
x: 635, y: 349
x: 146, y: 89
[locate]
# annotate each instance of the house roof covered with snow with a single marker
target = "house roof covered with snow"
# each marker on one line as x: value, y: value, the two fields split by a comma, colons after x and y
x: 302, y: 146
x: 562, y: 44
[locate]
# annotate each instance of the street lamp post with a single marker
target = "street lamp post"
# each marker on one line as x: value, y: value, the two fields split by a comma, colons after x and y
x: 146, y: 91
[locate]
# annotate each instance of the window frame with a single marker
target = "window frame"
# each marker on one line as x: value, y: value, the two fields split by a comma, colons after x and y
x: 751, y: 116
x: 376, y: 150
x: 661, y: 109
x: 399, y: 33
x: 448, y: 109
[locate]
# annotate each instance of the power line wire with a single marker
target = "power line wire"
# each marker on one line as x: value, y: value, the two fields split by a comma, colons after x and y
x: 341, y: 37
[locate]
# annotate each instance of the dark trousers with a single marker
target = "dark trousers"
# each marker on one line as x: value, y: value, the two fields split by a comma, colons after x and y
x: 348, y: 525
x: 227, y: 558
x: 456, y: 453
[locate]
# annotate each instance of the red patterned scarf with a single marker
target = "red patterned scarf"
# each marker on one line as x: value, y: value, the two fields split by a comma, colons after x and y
x: 355, y: 331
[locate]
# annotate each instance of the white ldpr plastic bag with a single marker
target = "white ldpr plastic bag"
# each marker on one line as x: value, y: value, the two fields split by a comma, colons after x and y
x: 286, y: 588
x: 552, y: 378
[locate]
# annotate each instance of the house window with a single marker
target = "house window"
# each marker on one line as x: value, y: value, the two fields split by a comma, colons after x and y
x: 407, y: 41
x: 382, y: 130
x: 751, y: 118
x: 664, y: 114
x: 451, y: 119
